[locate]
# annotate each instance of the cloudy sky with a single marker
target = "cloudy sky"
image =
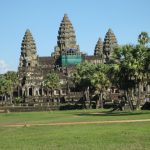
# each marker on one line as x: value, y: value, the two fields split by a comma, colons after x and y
x: 3, y: 67
x: 90, y: 18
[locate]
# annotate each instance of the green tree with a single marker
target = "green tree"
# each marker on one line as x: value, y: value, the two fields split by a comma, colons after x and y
x: 12, y: 81
x: 5, y: 87
x: 100, y: 81
x: 82, y: 77
x: 143, y: 38
x: 129, y: 68
x: 123, y: 70
x: 52, y: 81
x: 93, y: 78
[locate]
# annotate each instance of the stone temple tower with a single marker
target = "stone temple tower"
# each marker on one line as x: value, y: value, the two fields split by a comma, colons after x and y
x: 98, y: 51
x: 110, y: 42
x: 28, y: 56
x: 29, y: 72
x: 66, y: 38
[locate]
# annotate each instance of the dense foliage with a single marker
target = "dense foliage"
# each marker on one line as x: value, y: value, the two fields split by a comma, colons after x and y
x: 8, y: 82
x: 128, y: 70
x: 51, y: 81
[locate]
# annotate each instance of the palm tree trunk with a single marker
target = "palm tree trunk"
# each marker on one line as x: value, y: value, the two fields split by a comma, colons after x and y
x: 2, y: 99
x: 101, y: 100
x: 11, y: 97
x: 139, y: 96
x: 98, y: 102
x: 129, y: 100
x: 5, y: 99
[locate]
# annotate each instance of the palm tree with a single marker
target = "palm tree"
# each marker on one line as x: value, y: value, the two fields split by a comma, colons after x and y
x: 143, y: 38
x: 52, y: 81
x: 12, y: 81
x: 130, y: 69
x: 100, y: 82
x: 5, y: 87
x: 92, y: 77
x: 2, y: 86
x: 124, y: 70
x: 143, y: 59
x: 82, y: 76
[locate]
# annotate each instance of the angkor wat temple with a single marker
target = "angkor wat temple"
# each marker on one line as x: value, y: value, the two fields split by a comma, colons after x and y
x: 33, y: 69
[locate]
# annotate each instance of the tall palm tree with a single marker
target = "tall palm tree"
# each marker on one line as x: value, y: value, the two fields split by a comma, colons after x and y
x: 12, y: 82
x: 124, y: 70
x: 130, y: 69
x: 82, y: 76
x: 5, y: 87
x: 92, y: 77
x: 52, y: 81
x: 100, y: 82
x: 143, y: 38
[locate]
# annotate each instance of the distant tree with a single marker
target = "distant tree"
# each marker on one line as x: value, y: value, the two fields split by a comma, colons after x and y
x: 12, y: 81
x: 129, y: 70
x: 82, y: 77
x: 94, y: 78
x: 12, y: 75
x: 100, y: 82
x: 143, y: 38
x: 52, y: 81
x: 5, y: 87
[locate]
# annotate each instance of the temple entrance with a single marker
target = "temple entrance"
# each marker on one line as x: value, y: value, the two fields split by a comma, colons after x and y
x: 40, y: 92
x: 30, y: 91
x: 20, y: 92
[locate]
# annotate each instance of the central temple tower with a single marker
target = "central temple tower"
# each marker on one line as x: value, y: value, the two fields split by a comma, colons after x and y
x: 67, y: 51
x: 66, y: 38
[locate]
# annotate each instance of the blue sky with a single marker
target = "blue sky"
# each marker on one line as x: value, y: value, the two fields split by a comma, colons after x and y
x: 90, y: 18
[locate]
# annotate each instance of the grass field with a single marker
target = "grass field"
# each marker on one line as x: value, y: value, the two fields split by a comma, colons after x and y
x: 116, y: 136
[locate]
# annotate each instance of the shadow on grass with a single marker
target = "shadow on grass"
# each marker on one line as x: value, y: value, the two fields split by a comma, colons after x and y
x: 119, y: 113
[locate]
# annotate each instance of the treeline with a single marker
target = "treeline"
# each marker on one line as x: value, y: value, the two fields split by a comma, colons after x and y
x: 128, y: 70
x: 8, y: 82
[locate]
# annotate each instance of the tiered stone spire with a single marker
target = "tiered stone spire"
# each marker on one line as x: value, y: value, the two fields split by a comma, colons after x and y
x: 98, y: 48
x: 110, y: 42
x: 28, y: 56
x: 66, y: 37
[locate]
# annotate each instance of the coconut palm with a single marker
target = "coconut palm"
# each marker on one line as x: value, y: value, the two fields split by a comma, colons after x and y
x: 130, y: 69
x: 12, y: 81
x: 5, y: 87
x: 82, y: 76
x: 143, y: 38
x: 100, y: 82
x: 124, y: 70
x: 52, y: 81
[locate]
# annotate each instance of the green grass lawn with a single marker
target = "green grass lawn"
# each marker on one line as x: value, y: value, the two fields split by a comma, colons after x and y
x: 70, y: 116
x: 116, y: 136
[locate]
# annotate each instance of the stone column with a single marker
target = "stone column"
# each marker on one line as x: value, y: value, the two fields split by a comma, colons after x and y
x: 26, y: 91
x: 148, y: 88
x: 18, y: 91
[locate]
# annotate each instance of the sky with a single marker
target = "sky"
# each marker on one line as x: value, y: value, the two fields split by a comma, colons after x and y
x: 90, y: 18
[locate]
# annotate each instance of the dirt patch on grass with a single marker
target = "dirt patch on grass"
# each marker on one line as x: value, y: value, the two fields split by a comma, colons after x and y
x: 73, y: 123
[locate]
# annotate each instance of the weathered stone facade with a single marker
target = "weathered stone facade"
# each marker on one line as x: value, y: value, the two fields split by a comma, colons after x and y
x: 33, y: 69
x: 110, y: 42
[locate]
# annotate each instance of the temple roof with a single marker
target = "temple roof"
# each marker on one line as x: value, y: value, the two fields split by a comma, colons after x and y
x: 98, y: 48
x: 110, y: 42
x: 46, y: 60
x: 28, y: 46
x: 66, y: 38
x: 66, y: 34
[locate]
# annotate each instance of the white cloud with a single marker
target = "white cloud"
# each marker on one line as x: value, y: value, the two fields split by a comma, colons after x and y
x: 3, y: 67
